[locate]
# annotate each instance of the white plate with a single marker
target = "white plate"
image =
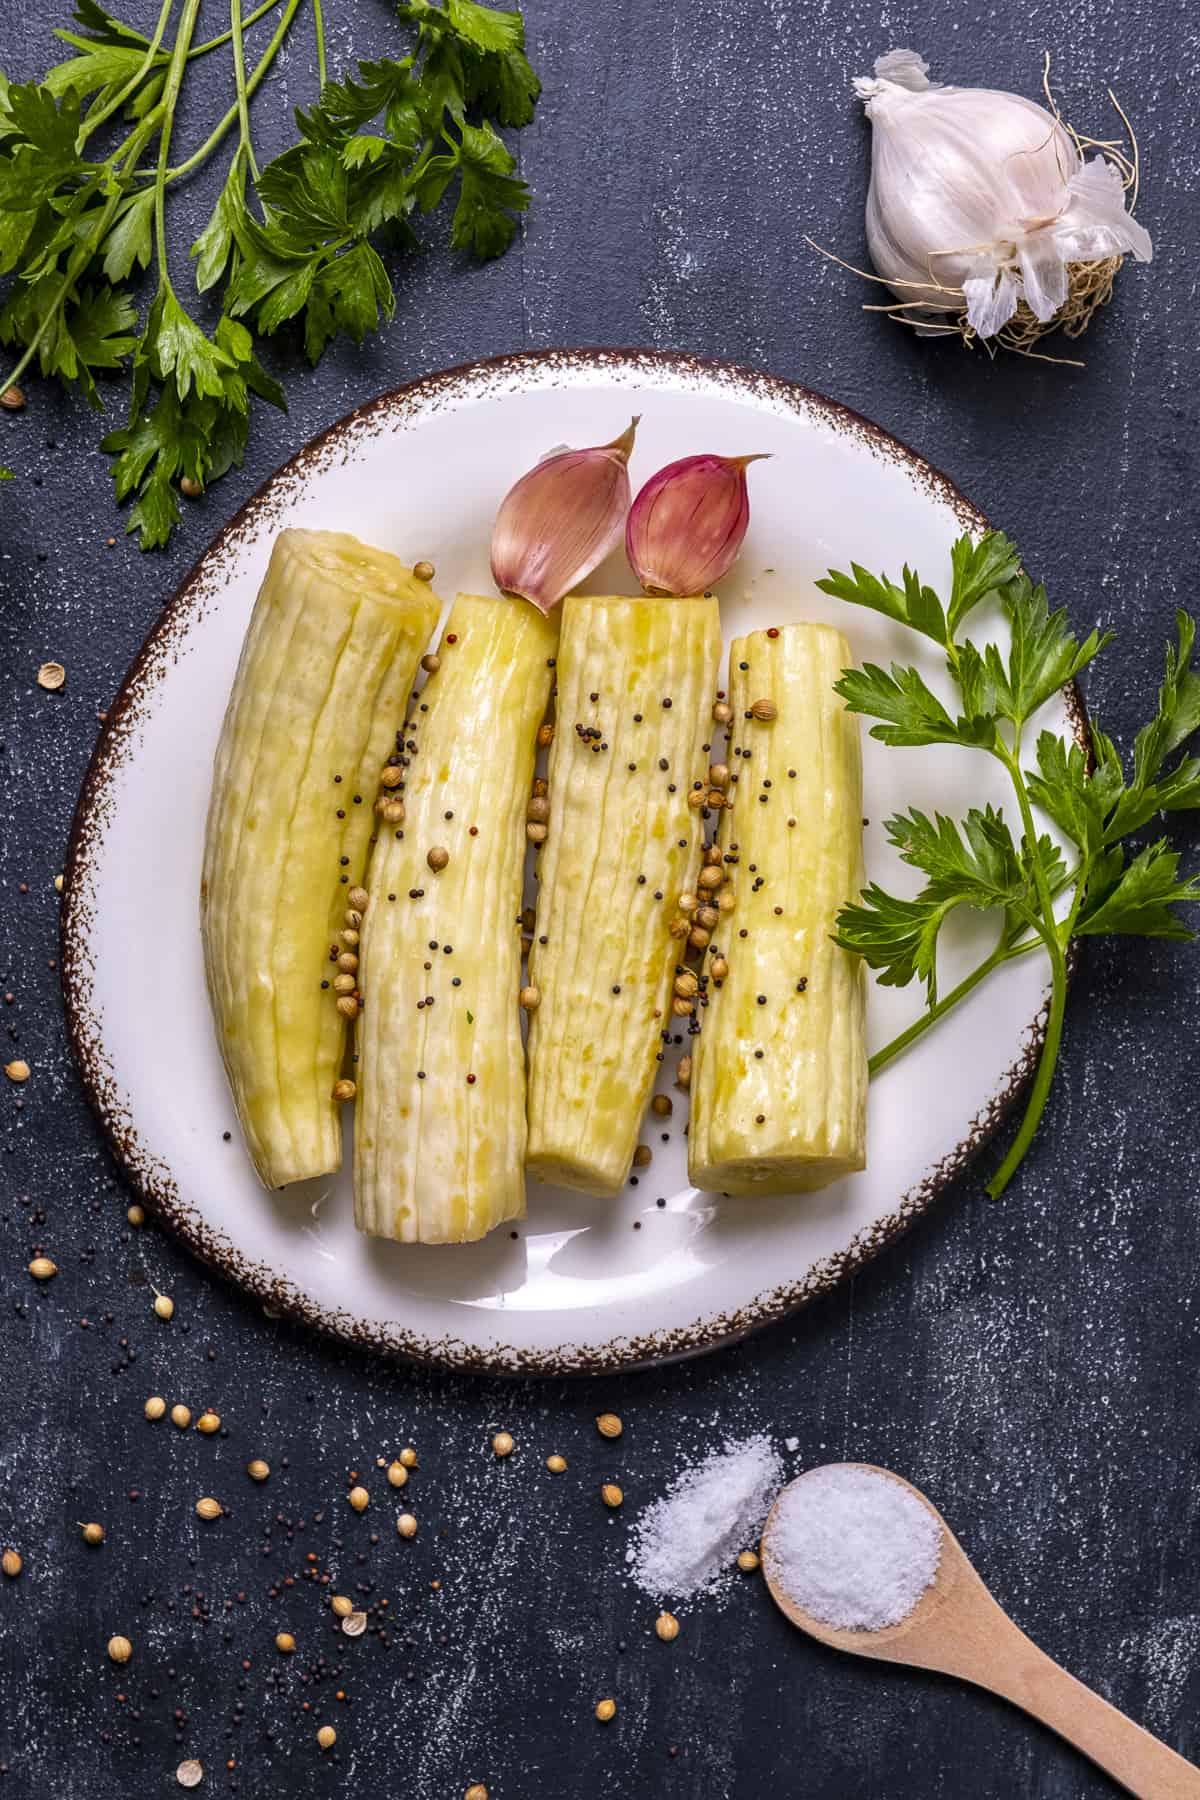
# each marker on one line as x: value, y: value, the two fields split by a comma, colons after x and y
x: 584, y: 1284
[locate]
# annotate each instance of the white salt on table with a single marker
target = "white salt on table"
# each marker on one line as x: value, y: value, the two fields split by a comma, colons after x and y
x: 686, y: 1542
x: 853, y: 1547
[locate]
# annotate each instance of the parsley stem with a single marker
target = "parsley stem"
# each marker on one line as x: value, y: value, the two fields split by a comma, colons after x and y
x: 1005, y: 951
x: 225, y: 37
x: 319, y: 23
x: 97, y: 118
x: 239, y: 72
x: 183, y: 38
x: 260, y: 69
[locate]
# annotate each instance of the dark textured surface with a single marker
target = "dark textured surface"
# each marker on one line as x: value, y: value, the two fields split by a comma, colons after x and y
x: 1032, y: 1364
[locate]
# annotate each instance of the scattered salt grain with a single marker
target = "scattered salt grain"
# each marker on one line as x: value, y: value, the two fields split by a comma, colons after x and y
x: 685, y: 1543
x: 853, y: 1547
x: 791, y: 1444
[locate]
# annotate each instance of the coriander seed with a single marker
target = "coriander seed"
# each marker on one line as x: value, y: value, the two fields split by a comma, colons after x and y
x: 11, y: 1564
x: 164, y: 1306
x: 135, y: 1214
x: 342, y: 1606
x: 502, y: 1444
x: 764, y: 711
x: 406, y: 1525
x: 155, y: 1407
x: 344, y: 1089
x: 397, y: 1474
x: 181, y: 1416
x: 17, y: 1070
x: 119, y: 1649
x: 285, y: 1643
x: 423, y: 571
x: 327, y: 1737
x: 92, y: 1533
x: 606, y: 1710
x: 359, y: 1498
x: 354, y: 1624
x: 666, y: 1627
x: 530, y: 998
x: 208, y: 1508
x: 608, y: 1425
x: 662, y: 1106
x: 431, y: 663
x: 51, y: 676
x: 556, y: 1464
x: 42, y: 1269
x: 208, y: 1422
x: 642, y: 1156
x: 190, y: 1774
x: 747, y: 1561
x: 476, y: 1791
x: 408, y: 1457
x: 438, y: 858
x: 258, y: 1470
x: 611, y: 1494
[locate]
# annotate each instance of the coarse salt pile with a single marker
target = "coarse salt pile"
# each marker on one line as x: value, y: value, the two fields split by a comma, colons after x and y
x: 686, y: 1542
x: 853, y: 1547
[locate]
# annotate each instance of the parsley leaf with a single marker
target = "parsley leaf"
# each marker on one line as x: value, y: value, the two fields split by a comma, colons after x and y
x: 1135, y: 899
x: 911, y: 712
x: 979, y: 570
x: 1043, y: 656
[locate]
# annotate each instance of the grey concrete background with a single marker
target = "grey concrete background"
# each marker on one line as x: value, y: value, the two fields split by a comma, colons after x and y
x: 1032, y: 1364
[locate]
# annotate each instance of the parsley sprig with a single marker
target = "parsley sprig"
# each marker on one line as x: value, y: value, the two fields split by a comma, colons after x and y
x: 300, y: 244
x: 1040, y: 897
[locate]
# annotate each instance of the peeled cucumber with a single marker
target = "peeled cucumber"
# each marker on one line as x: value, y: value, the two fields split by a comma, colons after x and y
x: 326, y: 667
x: 779, y: 1071
x: 635, y: 688
x: 440, y: 1125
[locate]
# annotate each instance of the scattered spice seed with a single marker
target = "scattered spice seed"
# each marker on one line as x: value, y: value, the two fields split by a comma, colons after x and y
x: 344, y: 1090
x: 406, y: 1525
x: 666, y: 1626
x: 502, y: 1444
x: 431, y: 663
x: 327, y: 1737
x: 191, y: 1773
x: 719, y: 968
x: 397, y: 1474
x: 17, y: 1070
x: 476, y: 1791
x: 258, y: 1470
x: 764, y: 711
x: 642, y: 1156
x: 531, y: 998
x: 342, y: 1606
x: 11, y: 1563
x: 537, y: 834
x: 135, y: 1214
x: 164, y: 1306
x: 285, y: 1643
x: 190, y: 488
x: 208, y: 1508
x: 119, y: 1649
x: 683, y: 1074
x: 51, y: 676
x: 13, y: 398
x: 747, y: 1561
x: 155, y: 1407
x: 208, y: 1422
x: 347, y: 1005
x: 41, y: 1268
x: 545, y: 736
x: 608, y: 1425
x: 181, y: 1416
x: 606, y: 1710
x: 92, y: 1533
x: 556, y: 1464
x: 438, y: 858
x: 408, y: 1457
x: 358, y: 899
x: 611, y: 1494
x: 359, y: 1498
x: 722, y: 713
x: 662, y: 1105
x: 424, y: 571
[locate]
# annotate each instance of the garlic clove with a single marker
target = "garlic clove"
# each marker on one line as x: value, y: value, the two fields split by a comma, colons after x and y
x: 687, y: 524
x: 561, y: 519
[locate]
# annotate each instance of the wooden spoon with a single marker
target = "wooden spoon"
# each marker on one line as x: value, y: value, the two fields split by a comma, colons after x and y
x: 957, y: 1628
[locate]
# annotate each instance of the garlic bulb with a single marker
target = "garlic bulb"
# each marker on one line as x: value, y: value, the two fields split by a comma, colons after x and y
x: 562, y: 518
x: 982, y: 203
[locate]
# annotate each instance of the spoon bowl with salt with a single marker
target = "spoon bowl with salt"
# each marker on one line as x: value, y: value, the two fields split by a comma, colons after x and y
x: 860, y: 1559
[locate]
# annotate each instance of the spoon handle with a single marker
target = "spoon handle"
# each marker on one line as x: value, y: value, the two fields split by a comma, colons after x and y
x: 1141, y: 1763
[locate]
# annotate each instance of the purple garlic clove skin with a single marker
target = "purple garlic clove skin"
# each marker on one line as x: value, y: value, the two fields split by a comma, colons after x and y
x: 560, y: 520
x: 687, y: 524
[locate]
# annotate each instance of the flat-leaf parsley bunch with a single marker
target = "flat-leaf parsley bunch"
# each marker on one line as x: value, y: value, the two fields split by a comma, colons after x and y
x: 1041, y: 897
x: 87, y: 161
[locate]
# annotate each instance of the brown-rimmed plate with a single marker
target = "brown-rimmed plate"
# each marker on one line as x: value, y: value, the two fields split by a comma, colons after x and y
x: 583, y: 1284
